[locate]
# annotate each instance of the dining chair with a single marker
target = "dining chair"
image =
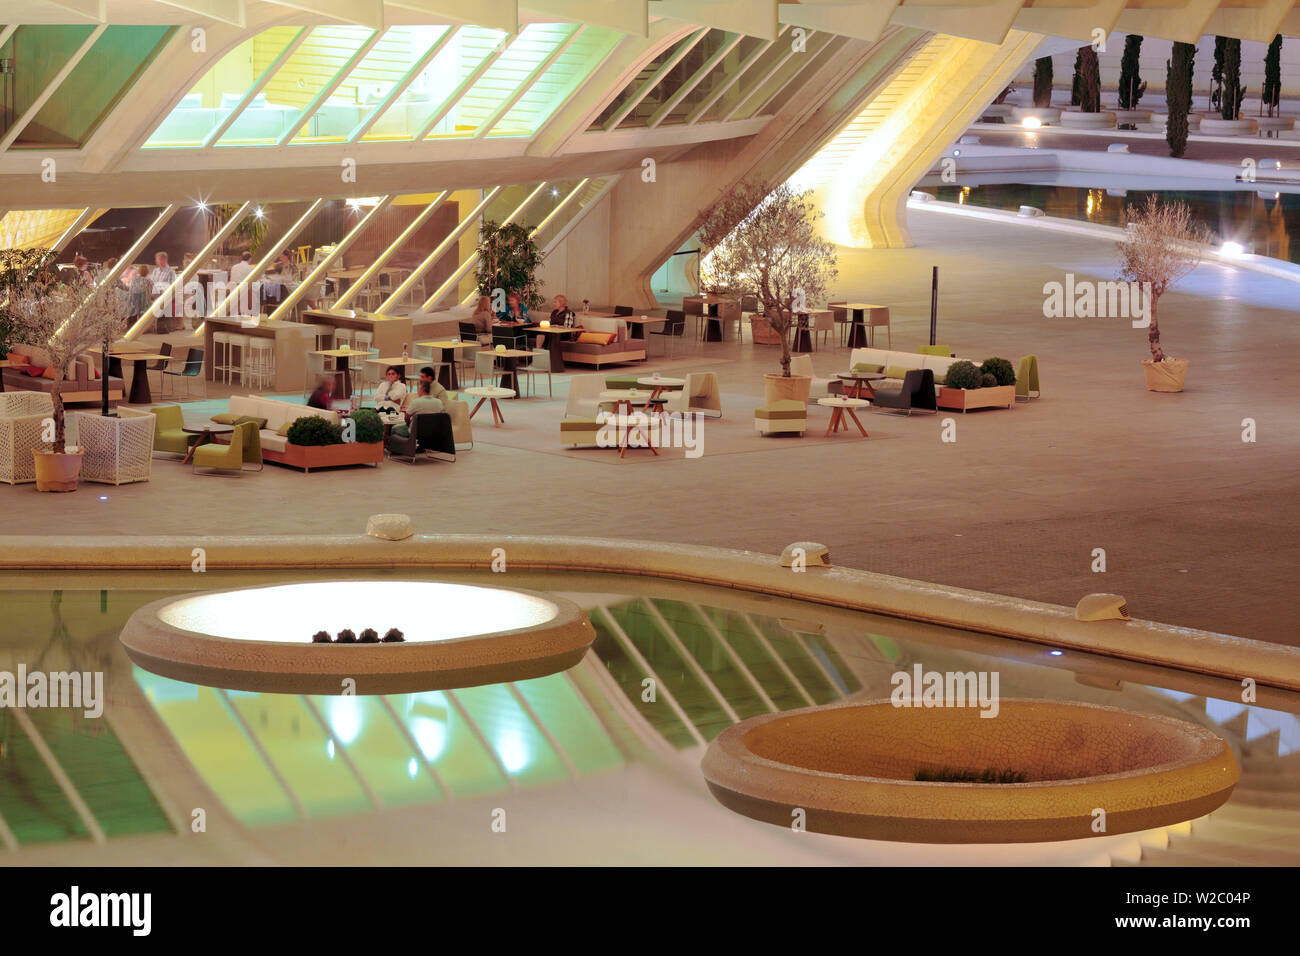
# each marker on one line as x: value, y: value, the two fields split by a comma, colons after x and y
x: 192, y: 369
x: 541, y: 362
x: 674, y: 328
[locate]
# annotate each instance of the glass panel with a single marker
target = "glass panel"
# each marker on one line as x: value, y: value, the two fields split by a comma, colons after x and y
x: 435, y: 85
x: 638, y: 83
x: 579, y: 59
x: 792, y: 89
x: 709, y: 653
x: 730, y: 75
x: 761, y: 664
x: 519, y: 745
x: 369, y: 83
x: 449, y: 744
x: 796, y: 659
x: 207, y: 105
x: 293, y: 87
x: 506, y: 75
x: 628, y: 674
x: 95, y: 85
x: 572, y: 724
x: 546, y: 235
x: 757, y: 86
x: 679, y: 75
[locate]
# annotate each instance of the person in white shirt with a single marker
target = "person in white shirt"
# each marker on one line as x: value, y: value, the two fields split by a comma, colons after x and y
x: 391, y: 390
x: 238, y: 273
x: 161, y: 276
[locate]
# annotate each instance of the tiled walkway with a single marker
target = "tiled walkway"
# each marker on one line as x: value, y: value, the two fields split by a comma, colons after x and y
x: 1198, y: 527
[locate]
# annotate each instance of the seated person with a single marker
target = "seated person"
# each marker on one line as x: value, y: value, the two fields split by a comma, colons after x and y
x: 483, y: 316
x: 428, y: 378
x: 323, y: 396
x: 515, y: 311
x: 422, y: 403
x: 391, y: 391
x: 562, y: 314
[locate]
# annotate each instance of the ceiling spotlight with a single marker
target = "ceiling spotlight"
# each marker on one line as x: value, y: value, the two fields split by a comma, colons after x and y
x: 1232, y: 250
x: 354, y: 204
x: 555, y: 192
x: 258, y: 212
x: 956, y: 152
x: 1031, y: 122
x: 201, y: 206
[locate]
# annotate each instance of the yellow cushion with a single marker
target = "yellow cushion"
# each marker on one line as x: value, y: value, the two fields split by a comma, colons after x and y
x: 896, y: 371
x: 226, y: 418
x: 597, y: 338
x: 283, y: 430
x: 868, y: 367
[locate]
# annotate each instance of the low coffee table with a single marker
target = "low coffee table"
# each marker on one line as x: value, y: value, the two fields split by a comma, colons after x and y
x: 490, y: 393
x: 207, y: 431
x: 840, y: 406
x: 854, y: 383
x: 659, y: 384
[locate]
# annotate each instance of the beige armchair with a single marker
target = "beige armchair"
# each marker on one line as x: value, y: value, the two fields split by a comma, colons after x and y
x: 119, y: 450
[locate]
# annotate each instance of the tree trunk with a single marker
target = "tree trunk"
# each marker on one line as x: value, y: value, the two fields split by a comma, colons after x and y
x: 56, y: 393
x: 1153, y: 335
x: 785, y: 342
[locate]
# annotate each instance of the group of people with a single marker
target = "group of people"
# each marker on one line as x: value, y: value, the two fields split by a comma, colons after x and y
x: 392, y: 395
x: 516, y: 312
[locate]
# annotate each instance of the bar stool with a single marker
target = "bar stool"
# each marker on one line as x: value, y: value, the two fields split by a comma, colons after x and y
x: 220, y: 354
x: 233, y: 367
x: 259, y: 362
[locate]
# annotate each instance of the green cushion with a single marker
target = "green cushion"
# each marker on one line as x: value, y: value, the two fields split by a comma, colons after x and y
x: 940, y: 350
x: 783, y: 410
x: 621, y: 381
x: 283, y: 430
x: 578, y: 424
x: 227, y: 418
x: 867, y: 367
x: 896, y: 371
x: 940, y: 378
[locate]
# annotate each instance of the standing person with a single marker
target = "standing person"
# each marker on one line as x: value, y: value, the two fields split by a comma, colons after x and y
x: 240, y: 271
x: 140, y: 292
x: 162, y: 276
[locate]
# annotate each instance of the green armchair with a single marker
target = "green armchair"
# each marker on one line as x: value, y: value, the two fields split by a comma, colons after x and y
x: 167, y: 434
x: 225, y: 457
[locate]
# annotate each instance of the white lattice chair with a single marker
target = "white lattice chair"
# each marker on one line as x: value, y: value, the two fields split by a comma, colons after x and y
x: 21, y: 418
x: 116, y: 450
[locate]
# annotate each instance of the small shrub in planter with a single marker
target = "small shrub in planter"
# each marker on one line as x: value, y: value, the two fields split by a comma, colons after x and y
x: 347, y: 636
x: 369, y: 636
x: 988, y: 380
x: 393, y: 636
x: 369, y: 428
x: 1000, y: 369
x: 311, y: 430
x: 322, y: 637
x: 963, y: 374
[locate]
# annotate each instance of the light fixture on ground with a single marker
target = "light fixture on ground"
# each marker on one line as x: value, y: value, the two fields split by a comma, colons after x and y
x: 455, y: 635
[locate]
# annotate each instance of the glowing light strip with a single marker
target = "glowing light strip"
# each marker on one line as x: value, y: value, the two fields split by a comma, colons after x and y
x: 546, y: 734
x: 59, y: 774
x: 473, y: 256
x: 459, y: 92
x: 403, y: 85
x: 188, y: 272
x: 260, y: 85
x: 373, y: 269
x: 685, y: 89
x: 451, y: 239
x: 50, y: 87
x: 527, y: 83
x: 655, y: 79
x: 286, y: 306
x: 270, y: 257
x: 74, y: 229
x: 328, y: 90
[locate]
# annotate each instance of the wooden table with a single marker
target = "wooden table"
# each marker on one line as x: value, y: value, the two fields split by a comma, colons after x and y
x: 447, y: 367
x: 140, y: 394
x: 638, y: 324
x: 622, y: 398
x: 206, y: 432
x: 554, y: 339
x: 490, y: 393
x: 840, y: 406
x: 857, y: 381
x: 341, y: 357
x: 717, y: 315
x: 291, y: 342
x: 872, y: 315
x: 387, y: 333
x: 509, y: 365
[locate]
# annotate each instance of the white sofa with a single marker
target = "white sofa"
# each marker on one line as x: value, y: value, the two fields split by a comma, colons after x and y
x: 276, y: 414
x: 909, y: 360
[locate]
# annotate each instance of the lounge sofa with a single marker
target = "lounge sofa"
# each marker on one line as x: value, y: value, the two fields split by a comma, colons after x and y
x: 904, y: 361
x: 621, y: 348
x: 277, y: 448
x: 82, y: 384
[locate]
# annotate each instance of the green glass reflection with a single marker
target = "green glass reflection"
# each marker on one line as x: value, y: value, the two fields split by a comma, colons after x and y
x: 558, y: 82
x: 515, y: 739
x: 692, y: 67
x: 379, y: 749
x: 571, y: 722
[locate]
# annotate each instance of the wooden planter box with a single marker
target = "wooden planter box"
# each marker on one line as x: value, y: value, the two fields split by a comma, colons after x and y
x: 308, y: 457
x: 999, y: 396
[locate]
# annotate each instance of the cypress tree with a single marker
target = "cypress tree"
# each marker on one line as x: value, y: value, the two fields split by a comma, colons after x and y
x: 1131, y: 85
x: 1043, y: 81
x: 1178, y: 96
x: 1216, y: 74
x: 1232, y: 90
x: 1076, y: 84
x: 1273, y: 76
x: 1089, y: 78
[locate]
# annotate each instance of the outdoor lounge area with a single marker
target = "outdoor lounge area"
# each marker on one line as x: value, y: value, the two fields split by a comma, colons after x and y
x: 646, y: 434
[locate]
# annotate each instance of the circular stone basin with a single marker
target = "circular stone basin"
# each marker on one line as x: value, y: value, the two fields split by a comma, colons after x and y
x: 852, y: 769
x: 259, y: 639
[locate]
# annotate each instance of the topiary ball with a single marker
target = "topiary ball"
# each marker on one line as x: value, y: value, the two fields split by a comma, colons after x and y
x: 988, y: 380
x: 394, y: 636
x: 369, y: 636
x: 1000, y: 369
x: 346, y: 636
x: 321, y: 637
x: 963, y: 374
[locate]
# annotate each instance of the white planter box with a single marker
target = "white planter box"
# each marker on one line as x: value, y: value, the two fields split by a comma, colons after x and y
x: 1080, y: 120
x: 1044, y: 114
x: 1133, y: 117
x: 1223, y: 127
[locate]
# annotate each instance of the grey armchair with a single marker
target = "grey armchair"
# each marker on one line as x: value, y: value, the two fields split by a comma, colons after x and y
x: 429, y: 432
x: 915, y: 392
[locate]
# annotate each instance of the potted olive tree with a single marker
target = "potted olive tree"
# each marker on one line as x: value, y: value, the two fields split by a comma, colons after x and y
x: 66, y: 321
x: 1163, y: 244
x: 763, y: 242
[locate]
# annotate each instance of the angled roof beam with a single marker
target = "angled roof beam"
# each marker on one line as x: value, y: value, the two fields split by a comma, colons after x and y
x: 328, y: 89
x: 762, y: 82
x: 55, y: 82
x: 84, y: 219
x: 96, y: 10
x: 285, y: 308
x: 861, y: 20
x: 365, y: 13
x: 7, y: 836
x: 1072, y: 19
x: 522, y: 701
x: 684, y: 90
x: 654, y: 80
x: 403, y: 85
x: 778, y: 660
x: 1260, y: 23
x: 481, y: 738
x: 204, y: 255
x: 1185, y: 22
x: 414, y: 744
x: 736, y: 660
x: 626, y: 16
x: 6, y: 32
x: 691, y: 661
x: 497, y: 14
x: 267, y: 260
x: 225, y: 11
x: 587, y: 207
x: 988, y: 21
x: 810, y: 58
x: 757, y: 54
x: 256, y: 743
x: 141, y: 241
x: 373, y: 269
x: 341, y: 749
x: 527, y: 84
x: 59, y: 774
x: 439, y: 251
x: 260, y: 85
x: 473, y: 256
x: 755, y: 18
x: 450, y: 102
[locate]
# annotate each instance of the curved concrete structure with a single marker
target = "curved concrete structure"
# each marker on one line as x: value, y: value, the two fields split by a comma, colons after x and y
x: 852, y: 769
x: 259, y: 639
